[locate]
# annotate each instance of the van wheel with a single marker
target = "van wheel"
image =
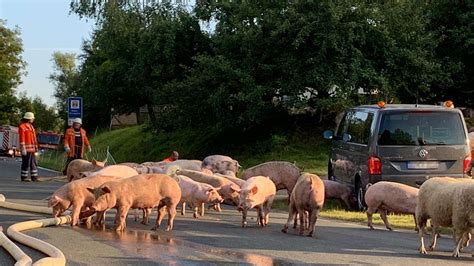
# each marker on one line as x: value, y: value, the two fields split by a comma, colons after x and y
x: 360, y: 192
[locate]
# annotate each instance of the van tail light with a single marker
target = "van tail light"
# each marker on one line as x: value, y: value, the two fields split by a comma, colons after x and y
x: 467, y: 162
x: 375, y: 166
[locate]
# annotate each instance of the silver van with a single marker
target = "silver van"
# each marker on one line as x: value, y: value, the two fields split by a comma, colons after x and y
x: 399, y: 143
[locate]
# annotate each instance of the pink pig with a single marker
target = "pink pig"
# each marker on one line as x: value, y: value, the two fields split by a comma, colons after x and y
x: 139, y: 192
x: 196, y: 194
x: 257, y: 192
x: 392, y: 197
x: 75, y: 194
x: 306, y: 201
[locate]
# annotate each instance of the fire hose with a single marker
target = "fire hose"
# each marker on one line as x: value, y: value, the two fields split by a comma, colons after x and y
x: 55, y: 256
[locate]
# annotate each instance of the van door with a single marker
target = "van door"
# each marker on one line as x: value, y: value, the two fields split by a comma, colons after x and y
x: 357, y: 146
x: 417, y: 144
x: 338, y: 156
x: 350, y: 146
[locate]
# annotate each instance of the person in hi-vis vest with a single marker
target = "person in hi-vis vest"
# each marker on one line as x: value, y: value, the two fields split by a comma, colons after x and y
x: 75, y: 142
x: 28, y: 147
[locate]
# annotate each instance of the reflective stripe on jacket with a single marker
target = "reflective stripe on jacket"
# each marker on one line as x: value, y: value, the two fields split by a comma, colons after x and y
x: 70, y: 141
x: 27, y: 137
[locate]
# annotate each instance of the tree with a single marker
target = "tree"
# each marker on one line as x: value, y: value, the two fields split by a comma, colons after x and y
x: 452, y: 23
x: 65, y: 80
x: 11, y: 68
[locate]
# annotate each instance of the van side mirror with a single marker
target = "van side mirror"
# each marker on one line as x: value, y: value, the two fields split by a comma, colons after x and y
x: 346, y: 137
x: 328, y: 134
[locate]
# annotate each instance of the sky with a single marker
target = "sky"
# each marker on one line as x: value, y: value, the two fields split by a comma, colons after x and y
x: 46, y: 26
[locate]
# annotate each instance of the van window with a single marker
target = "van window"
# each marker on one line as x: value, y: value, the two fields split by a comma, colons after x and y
x: 418, y: 128
x: 343, y: 125
x: 359, y: 126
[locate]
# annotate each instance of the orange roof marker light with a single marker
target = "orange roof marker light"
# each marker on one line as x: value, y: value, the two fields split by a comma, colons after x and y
x: 381, y: 104
x: 449, y: 104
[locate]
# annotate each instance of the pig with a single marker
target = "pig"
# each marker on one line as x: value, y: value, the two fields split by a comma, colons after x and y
x: 112, y: 170
x: 142, y: 192
x: 184, y: 164
x: 307, y: 200
x: 77, y: 166
x: 257, y: 192
x: 224, y: 186
x: 283, y: 174
x: 196, y: 194
x: 335, y: 190
x: 220, y: 164
x: 232, y: 178
x: 133, y: 165
x: 393, y: 197
x: 75, y: 194
x: 155, y: 164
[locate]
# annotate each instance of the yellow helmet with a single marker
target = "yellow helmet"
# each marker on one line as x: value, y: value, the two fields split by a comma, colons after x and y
x: 29, y: 115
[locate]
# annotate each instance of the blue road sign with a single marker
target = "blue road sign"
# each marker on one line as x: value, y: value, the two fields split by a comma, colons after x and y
x: 74, y: 108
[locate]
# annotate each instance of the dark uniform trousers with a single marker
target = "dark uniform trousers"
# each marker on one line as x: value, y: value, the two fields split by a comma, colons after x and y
x: 28, y: 161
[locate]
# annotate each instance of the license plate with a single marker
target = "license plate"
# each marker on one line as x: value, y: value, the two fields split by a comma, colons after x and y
x: 423, y: 165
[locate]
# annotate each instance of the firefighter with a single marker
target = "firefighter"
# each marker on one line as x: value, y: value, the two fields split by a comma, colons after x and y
x: 75, y: 142
x: 174, y: 156
x: 28, y: 147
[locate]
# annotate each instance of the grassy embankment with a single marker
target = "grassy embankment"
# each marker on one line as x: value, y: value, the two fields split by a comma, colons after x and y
x: 134, y: 144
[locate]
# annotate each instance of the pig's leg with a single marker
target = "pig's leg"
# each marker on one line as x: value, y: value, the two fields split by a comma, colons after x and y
x: 146, y: 215
x: 159, y: 217
x: 122, y: 213
x: 244, y: 218
x: 202, y: 209
x: 295, y: 222
x: 421, y: 230
x: 217, y: 207
x: 267, y: 208
x: 260, y: 216
x: 76, y: 210
x: 301, y: 214
x: 306, y: 220
x: 383, y: 215
x: 195, y: 206
x: 99, y: 218
x: 171, y: 214
x: 183, y: 208
x: 313, y: 217
x: 370, y: 212
x: 136, y: 215
x: 347, y: 202
x: 291, y: 217
x: 434, y: 235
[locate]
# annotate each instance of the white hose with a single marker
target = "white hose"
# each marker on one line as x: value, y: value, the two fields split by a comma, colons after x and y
x: 55, y: 256
x: 20, y: 257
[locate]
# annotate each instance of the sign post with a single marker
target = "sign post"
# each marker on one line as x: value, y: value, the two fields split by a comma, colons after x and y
x: 74, y: 109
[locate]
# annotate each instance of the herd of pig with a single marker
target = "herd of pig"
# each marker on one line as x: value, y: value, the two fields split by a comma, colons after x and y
x: 95, y: 188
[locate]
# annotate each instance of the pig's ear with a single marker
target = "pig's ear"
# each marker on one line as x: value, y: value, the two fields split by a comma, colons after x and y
x: 235, y: 188
x: 254, y: 190
x: 106, y: 189
x: 94, y: 162
x: 91, y: 190
x: 209, y: 190
x: 53, y: 201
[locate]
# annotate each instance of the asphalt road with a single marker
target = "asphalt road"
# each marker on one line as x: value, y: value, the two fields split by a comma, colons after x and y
x: 216, y: 238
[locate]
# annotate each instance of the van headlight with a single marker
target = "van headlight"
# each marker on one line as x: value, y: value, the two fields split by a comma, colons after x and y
x: 37, y: 154
x: 10, y: 152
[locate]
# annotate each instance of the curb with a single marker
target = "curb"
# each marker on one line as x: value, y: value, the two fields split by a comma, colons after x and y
x: 48, y: 170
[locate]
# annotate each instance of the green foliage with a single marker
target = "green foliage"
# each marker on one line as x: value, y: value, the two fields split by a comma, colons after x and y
x: 11, y: 68
x: 264, y: 64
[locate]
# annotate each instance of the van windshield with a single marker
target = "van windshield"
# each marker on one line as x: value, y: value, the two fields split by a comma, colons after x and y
x: 419, y: 128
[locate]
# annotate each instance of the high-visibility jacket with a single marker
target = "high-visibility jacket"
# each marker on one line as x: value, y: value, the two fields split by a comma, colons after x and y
x: 27, y: 137
x: 168, y: 159
x: 70, y: 141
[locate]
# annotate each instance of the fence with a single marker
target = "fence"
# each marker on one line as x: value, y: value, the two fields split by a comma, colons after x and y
x: 56, y: 160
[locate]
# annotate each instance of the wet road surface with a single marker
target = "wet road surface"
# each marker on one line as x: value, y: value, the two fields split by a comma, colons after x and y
x: 216, y: 238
